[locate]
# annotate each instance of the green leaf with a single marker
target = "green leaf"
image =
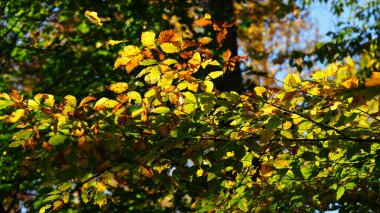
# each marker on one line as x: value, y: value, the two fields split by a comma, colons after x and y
x: 305, y: 126
x: 16, y: 143
x: 65, y: 186
x: 57, y: 139
x: 148, y: 62
x: 52, y: 197
x: 274, y: 122
x: 243, y: 205
x: 340, y: 192
x: 161, y: 109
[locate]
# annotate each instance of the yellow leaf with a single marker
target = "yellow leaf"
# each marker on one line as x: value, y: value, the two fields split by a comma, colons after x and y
x: 114, y: 42
x: 205, y: 40
x: 291, y: 81
x: 70, y: 100
x: 169, y: 48
x: 351, y: 82
x: 199, y: 172
x: 148, y: 39
x: 100, y: 187
x: 161, y: 110
x: 129, y: 51
x: 169, y: 61
x: 15, y: 116
x: 49, y: 99
x: 207, y: 62
x: 331, y: 70
x: 318, y: 75
x: 286, y: 125
x: 214, y: 74
x: 153, y: 77
x: 105, y: 103
x: 43, y: 209
x: 208, y: 86
x: 118, y: 87
x: 57, y: 204
x: 93, y: 17
x: 260, y: 90
x: 195, y: 62
x: 65, y: 197
x: 133, y: 95
x: 193, y: 86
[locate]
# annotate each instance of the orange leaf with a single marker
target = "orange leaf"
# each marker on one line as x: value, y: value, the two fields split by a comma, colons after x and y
x: 169, y: 36
x: 221, y: 36
x: 86, y: 100
x: 15, y: 96
x: 374, y: 80
x: 227, y: 55
x: 202, y: 22
x: 146, y: 171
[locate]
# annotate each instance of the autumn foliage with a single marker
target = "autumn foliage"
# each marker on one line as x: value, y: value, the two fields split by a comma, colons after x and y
x: 168, y: 139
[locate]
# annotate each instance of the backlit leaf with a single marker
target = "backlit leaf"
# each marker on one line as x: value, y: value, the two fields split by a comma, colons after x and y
x: 169, y: 48
x: 153, y: 77
x: 214, y: 74
x: 86, y: 100
x: 15, y: 116
x: 291, y: 81
x: 105, y: 103
x: 93, y: 17
x: 148, y: 39
x: 133, y: 95
x: 205, y: 40
x: 115, y: 42
x: 339, y: 192
x: 5, y: 103
x: 57, y: 139
x: 118, y: 87
x: 161, y: 109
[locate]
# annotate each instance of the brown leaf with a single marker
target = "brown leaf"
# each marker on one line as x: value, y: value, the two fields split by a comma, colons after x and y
x: 146, y: 171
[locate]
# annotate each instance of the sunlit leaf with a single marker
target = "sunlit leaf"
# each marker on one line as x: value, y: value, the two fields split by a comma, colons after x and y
x: 118, y: 87
x: 205, y: 40
x: 115, y: 42
x: 169, y: 48
x: 162, y: 110
x: 339, y: 192
x: 214, y: 74
x: 148, y: 39
x: 93, y: 17
x: 291, y: 81
x: 105, y: 103
x: 133, y: 95
x: 57, y: 139
x: 15, y: 116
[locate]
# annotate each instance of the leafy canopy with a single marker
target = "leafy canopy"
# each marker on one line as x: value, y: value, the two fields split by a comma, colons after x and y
x: 167, y: 139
